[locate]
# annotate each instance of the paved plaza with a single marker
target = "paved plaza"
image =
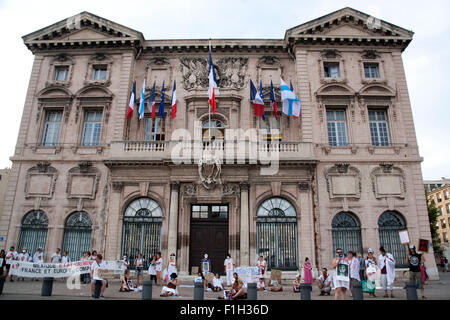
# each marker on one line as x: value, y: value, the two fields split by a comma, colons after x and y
x: 26, y: 290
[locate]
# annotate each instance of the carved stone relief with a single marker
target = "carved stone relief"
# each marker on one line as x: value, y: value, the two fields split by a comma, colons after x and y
x: 82, y: 181
x: 40, y: 181
x: 388, y: 181
x: 343, y: 181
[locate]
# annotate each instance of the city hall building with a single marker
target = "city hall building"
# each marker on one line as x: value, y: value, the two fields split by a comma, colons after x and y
x: 85, y: 177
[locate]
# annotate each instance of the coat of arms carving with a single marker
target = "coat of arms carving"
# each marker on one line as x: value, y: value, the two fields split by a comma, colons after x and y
x: 209, y: 169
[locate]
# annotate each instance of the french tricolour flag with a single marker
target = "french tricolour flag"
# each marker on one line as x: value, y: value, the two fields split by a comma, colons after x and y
x: 255, y: 98
x: 212, y: 84
x: 152, y: 102
x: 132, y: 101
x: 174, y: 101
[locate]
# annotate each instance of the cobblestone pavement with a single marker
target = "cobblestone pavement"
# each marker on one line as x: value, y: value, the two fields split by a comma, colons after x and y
x: 434, y: 290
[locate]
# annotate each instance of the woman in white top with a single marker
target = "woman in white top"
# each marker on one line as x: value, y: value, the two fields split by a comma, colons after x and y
x: 370, y: 270
x: 217, y: 283
x: 341, y: 276
x: 158, y: 268
x: 139, y: 263
x: 152, y: 270
x: 172, y: 265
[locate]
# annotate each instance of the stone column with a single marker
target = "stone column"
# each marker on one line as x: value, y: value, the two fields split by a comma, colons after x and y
x: 244, y: 231
x: 173, y: 219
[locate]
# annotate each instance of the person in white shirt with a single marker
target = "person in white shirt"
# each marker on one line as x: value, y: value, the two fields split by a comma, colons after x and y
x: 262, y: 265
x: 324, y: 282
x: 56, y: 257
x: 386, y: 263
x: 229, y: 269
x: 172, y: 266
x: 98, y: 264
x: 261, y: 286
x: 158, y: 268
x: 217, y: 283
x: 139, y: 264
x: 11, y: 255
x: 38, y: 258
x: 65, y: 258
x: 354, y: 269
x: 152, y: 270
x: 23, y: 256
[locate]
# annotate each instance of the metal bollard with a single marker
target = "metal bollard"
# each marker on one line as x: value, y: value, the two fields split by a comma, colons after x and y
x: 198, y: 291
x: 97, y: 288
x: 2, y: 281
x: 147, y: 290
x: 252, y: 293
x: 357, y: 291
x: 47, y: 287
x: 305, y: 291
x: 411, y: 291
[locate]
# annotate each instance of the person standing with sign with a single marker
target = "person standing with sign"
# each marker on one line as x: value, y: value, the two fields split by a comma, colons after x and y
x: 38, y: 258
x: 229, y: 269
x: 414, y: 260
x: 158, y: 267
x: 370, y: 272
x: 98, y: 264
x: 206, y: 265
x: 262, y: 265
x: 23, y: 257
x: 56, y: 257
x: 11, y: 255
x: 341, y: 277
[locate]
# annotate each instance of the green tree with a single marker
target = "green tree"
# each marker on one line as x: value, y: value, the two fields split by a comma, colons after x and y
x: 433, y: 217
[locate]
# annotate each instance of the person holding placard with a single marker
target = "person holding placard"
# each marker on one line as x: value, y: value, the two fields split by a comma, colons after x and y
x: 229, y: 269
x: 56, y: 257
x: 341, y: 276
x: 262, y: 265
x: 98, y: 264
x: 205, y: 265
x: 370, y: 272
x: 414, y: 261
x: 11, y: 255
x: 23, y: 257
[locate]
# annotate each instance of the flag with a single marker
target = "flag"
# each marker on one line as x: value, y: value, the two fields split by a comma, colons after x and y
x: 272, y: 100
x: 141, y: 107
x: 152, y: 102
x: 262, y: 98
x: 258, y: 103
x: 291, y: 86
x: 132, y: 101
x: 161, y: 104
x: 291, y: 104
x: 174, y: 101
x: 212, y: 84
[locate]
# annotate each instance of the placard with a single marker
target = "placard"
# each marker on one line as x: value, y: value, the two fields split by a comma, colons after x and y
x: 342, y: 273
x: 404, y: 236
x: 275, y: 275
x: 423, y: 245
x: 248, y: 274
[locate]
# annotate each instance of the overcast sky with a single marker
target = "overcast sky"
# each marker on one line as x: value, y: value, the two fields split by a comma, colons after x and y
x: 427, y: 59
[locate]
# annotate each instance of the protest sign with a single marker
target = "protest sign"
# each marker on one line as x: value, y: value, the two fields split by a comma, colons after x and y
x: 275, y: 275
x: 404, y: 236
x: 248, y: 274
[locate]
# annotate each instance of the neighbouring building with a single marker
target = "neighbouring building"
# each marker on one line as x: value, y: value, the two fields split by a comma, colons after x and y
x: 433, y: 184
x: 440, y: 197
x: 84, y: 176
x: 4, y: 175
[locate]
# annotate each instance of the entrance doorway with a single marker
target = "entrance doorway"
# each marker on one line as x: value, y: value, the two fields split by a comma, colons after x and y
x: 209, y: 234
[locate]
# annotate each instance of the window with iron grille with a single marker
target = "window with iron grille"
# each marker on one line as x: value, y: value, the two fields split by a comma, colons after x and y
x: 346, y: 232
x: 33, y: 232
x: 371, y: 70
x: 276, y: 234
x: 379, y: 127
x: 155, y: 129
x: 337, y: 127
x: 52, y: 128
x: 389, y: 224
x: 92, y: 128
x: 77, y: 235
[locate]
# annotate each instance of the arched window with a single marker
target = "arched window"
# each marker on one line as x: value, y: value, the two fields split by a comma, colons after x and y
x: 141, y: 231
x: 346, y: 232
x: 33, y: 233
x: 276, y: 233
x: 77, y: 235
x: 213, y: 129
x: 389, y: 224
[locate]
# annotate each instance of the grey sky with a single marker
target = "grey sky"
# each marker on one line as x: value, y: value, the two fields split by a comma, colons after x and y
x: 427, y: 59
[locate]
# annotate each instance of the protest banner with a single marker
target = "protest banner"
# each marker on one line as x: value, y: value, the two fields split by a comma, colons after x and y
x: 404, y: 236
x: 58, y: 270
x: 248, y: 274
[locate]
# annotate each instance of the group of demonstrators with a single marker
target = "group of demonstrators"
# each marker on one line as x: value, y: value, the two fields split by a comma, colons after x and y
x: 12, y: 255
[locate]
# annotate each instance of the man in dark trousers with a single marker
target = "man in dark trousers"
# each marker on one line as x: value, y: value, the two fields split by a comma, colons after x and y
x: 414, y: 260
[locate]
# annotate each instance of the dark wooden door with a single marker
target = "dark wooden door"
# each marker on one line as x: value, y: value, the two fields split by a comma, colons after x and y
x: 211, y: 238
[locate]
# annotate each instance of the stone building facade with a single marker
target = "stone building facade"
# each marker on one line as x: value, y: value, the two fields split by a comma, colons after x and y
x: 440, y: 197
x: 84, y: 176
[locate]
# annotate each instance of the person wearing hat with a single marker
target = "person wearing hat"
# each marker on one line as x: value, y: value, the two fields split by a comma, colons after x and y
x: 370, y: 271
x: 171, y: 288
x: 296, y: 283
x: 414, y: 261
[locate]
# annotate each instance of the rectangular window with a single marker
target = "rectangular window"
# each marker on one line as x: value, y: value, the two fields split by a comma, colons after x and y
x: 441, y: 210
x: 331, y: 69
x: 446, y: 196
x: 337, y: 128
x: 444, y: 236
x: 379, y: 127
x: 209, y: 212
x: 271, y: 127
x: 371, y: 70
x: 443, y: 224
x: 61, y: 73
x: 99, y: 73
x: 52, y: 127
x: 439, y: 197
x: 448, y: 208
x: 155, y: 129
x: 91, y: 128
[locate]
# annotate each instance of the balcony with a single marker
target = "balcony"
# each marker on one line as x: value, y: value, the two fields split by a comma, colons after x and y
x: 154, y: 151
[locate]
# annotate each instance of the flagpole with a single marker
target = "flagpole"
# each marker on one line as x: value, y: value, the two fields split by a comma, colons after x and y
x: 209, y: 105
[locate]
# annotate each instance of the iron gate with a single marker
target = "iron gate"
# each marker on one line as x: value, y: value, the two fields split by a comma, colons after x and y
x: 346, y: 233
x: 276, y: 234
x: 389, y: 224
x: 141, y: 231
x: 77, y: 235
x: 33, y: 233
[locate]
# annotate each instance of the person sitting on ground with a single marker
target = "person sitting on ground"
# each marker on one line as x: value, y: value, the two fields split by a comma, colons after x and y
x: 274, y: 286
x: 296, y: 283
x: 126, y: 283
x: 324, y: 283
x: 237, y: 289
x: 171, y: 288
x: 217, y: 283
x: 261, y: 286
x: 200, y: 275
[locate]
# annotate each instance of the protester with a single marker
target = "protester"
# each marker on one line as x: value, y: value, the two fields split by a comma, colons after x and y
x: 139, y: 264
x: 56, y: 257
x: 261, y: 286
x: 205, y: 285
x: 361, y: 266
x: 2, y: 261
x: 205, y: 265
x: 229, y: 269
x: 324, y: 282
x: 370, y: 272
x: 38, y: 258
x: 87, y: 276
x: 386, y: 263
x: 126, y: 263
x: 341, y: 276
x: 152, y: 269
x: 414, y: 260
x: 93, y: 255
x: 274, y: 286
x: 171, y: 266
x: 11, y: 255
x: 83, y: 258
x: 262, y: 265
x: 98, y: 264
x: 354, y: 269
x: 217, y: 283
x: 307, y: 272
x: 125, y: 282
x: 423, y: 273
x: 237, y: 289
x: 158, y: 268
x: 65, y: 258
x: 23, y: 257
x: 296, y: 283
x: 171, y: 288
